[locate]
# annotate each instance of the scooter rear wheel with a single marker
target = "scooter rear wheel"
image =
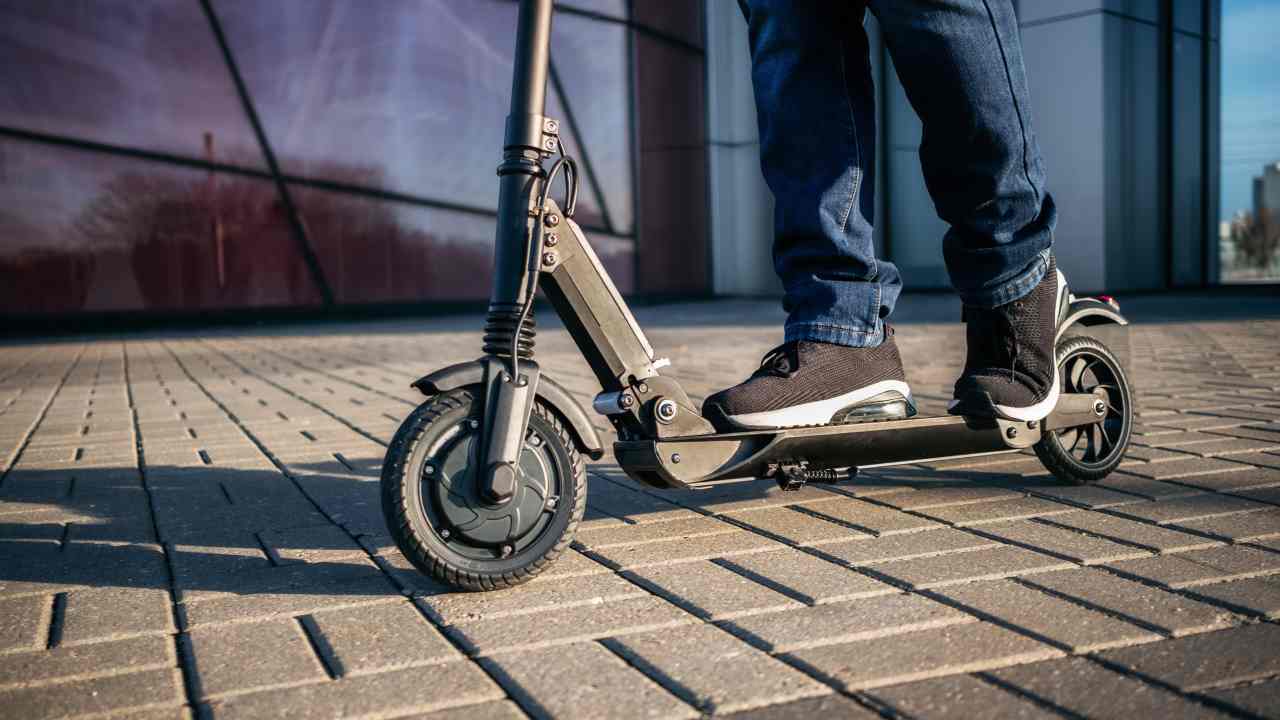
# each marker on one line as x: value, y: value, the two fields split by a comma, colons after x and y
x: 1089, y: 453
x: 443, y: 526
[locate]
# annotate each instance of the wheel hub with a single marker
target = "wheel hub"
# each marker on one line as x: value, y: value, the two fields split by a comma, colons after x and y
x: 453, y: 484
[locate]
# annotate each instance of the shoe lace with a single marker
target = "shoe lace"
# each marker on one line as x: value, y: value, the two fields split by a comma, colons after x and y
x: 778, y: 360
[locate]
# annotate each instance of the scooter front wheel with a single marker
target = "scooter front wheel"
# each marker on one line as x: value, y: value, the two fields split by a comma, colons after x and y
x: 441, y: 523
x: 1089, y: 453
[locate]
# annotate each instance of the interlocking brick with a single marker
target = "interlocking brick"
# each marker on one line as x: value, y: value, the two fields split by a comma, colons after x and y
x: 66, y: 663
x: 1207, y: 660
x: 23, y: 622
x: 629, y: 534
x: 1152, y: 607
x: 1088, y: 689
x: 919, y: 655
x: 1240, y: 527
x: 103, y: 613
x: 1251, y: 477
x: 1144, y: 535
x: 1259, y: 699
x: 1177, y: 469
x: 1071, y: 626
x: 458, y: 607
x: 389, y: 694
x: 845, y: 621
x: 560, y: 626
x: 1087, y: 496
x: 803, y: 576
x: 294, y: 588
x: 997, y: 511
x: 690, y: 665
x: 1165, y: 512
x: 904, y: 547
x: 238, y: 658
x: 1123, y: 481
x: 1254, y: 596
x: 132, y: 692
x: 709, y: 590
x: 1198, y: 567
x: 939, y: 571
x: 624, y: 557
x: 794, y: 527
x: 869, y: 518
x: 553, y: 682
x: 822, y: 706
x: 1063, y: 542
x: 960, y: 697
x: 376, y: 638
x: 941, y: 497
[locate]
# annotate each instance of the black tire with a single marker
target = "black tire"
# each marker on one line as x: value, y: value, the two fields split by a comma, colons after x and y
x: 1086, y: 365
x: 422, y: 503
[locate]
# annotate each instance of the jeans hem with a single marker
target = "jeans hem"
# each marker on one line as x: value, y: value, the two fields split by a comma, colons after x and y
x: 835, y: 334
x: 1015, y: 289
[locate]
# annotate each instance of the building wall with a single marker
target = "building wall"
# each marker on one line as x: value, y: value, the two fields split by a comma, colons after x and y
x: 190, y: 155
x: 1124, y: 103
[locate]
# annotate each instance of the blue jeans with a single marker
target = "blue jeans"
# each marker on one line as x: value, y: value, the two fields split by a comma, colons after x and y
x: 960, y: 62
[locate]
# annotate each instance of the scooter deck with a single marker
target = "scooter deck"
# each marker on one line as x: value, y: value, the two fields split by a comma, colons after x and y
x: 685, y: 461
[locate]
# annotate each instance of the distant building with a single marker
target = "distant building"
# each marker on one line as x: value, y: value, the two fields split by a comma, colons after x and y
x: 1266, y: 190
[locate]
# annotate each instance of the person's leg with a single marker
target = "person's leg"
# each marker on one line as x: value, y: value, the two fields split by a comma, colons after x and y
x: 960, y: 62
x: 815, y: 104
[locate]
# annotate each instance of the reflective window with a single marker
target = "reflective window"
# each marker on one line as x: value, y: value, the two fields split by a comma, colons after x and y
x: 139, y: 73
x: 1250, y: 201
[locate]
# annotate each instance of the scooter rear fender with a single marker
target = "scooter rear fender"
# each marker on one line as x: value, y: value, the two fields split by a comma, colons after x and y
x: 551, y: 392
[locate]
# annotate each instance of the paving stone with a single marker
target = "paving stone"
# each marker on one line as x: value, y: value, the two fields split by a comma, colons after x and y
x: 376, y: 638
x: 869, y: 518
x: 904, y: 547
x: 1270, y: 460
x: 316, y: 544
x: 794, y: 527
x: 1198, y: 567
x: 238, y: 658
x: 997, y: 511
x: 823, y: 706
x: 105, y: 613
x: 960, y: 697
x: 1255, y: 596
x: 1241, y: 527
x: 690, y: 665
x: 1267, y: 495
x: 710, y: 591
x: 1152, y: 607
x: 1261, y: 698
x: 998, y: 562
x: 389, y: 694
x: 291, y: 589
x: 583, y: 680
x: 457, y: 607
x: 1140, y: 534
x: 24, y: 622
x: 745, y: 496
x: 628, y: 504
x: 1214, y: 659
x: 1086, y: 496
x: 959, y: 494
x: 1062, y: 542
x: 1177, y: 469
x: 1166, y: 512
x: 132, y: 692
x: 1125, y: 482
x: 912, y: 656
x: 629, y: 534
x: 803, y: 576
x: 492, y: 710
x: 67, y: 663
x: 559, y: 626
x: 845, y: 621
x: 1250, y: 478
x: 626, y: 557
x: 1088, y: 689
x: 1073, y: 627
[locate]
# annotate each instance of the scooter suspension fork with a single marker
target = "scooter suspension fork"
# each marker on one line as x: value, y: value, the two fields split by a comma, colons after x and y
x: 511, y: 375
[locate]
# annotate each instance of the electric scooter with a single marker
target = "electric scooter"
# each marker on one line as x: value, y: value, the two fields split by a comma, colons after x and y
x: 484, y: 483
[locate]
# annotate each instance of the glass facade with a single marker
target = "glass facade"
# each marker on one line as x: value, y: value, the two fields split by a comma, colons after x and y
x: 191, y: 155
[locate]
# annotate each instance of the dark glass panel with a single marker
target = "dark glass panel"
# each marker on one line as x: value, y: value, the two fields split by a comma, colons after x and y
x: 403, y: 95
x: 97, y: 232
x: 380, y: 251
x: 612, y: 8
x: 139, y: 73
x: 591, y: 58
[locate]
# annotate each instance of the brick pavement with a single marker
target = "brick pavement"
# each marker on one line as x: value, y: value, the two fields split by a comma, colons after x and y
x: 189, y: 524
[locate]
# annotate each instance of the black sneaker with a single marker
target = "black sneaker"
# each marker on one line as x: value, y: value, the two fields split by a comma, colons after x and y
x: 1011, y: 371
x: 813, y: 383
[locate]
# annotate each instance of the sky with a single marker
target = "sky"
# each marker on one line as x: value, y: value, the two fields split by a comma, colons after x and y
x: 1250, y: 97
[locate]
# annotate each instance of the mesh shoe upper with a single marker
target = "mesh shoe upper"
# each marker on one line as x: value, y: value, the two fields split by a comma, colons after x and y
x: 799, y: 373
x: 1010, y: 360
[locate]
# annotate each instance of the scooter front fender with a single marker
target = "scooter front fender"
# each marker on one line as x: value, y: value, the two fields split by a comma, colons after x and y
x: 1089, y: 312
x: 571, y: 413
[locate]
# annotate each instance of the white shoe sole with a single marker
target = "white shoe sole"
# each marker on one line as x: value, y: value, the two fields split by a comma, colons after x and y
x: 1032, y: 413
x: 818, y: 412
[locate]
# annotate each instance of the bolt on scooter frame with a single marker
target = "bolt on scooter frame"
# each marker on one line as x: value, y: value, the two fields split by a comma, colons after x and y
x: 663, y: 439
